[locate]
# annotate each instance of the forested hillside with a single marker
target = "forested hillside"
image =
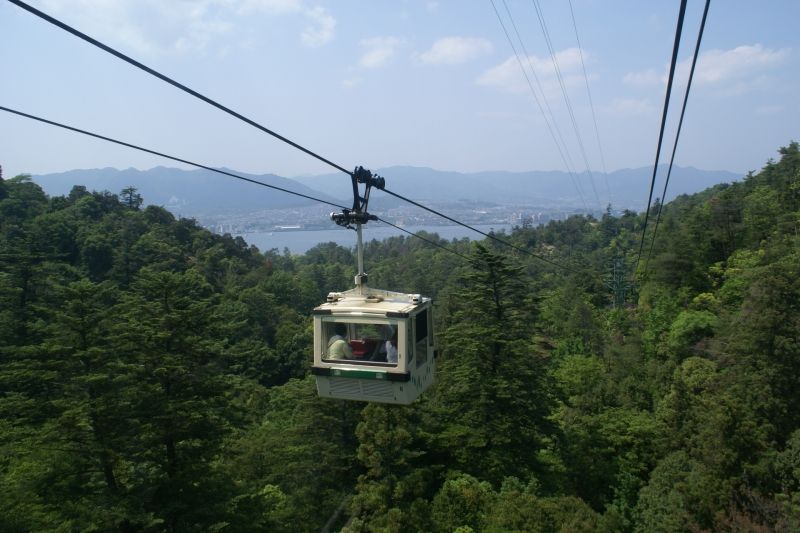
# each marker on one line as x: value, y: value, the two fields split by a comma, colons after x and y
x: 154, y: 376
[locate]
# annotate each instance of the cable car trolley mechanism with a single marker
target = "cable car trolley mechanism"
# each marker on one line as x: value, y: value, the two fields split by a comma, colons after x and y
x: 371, y: 344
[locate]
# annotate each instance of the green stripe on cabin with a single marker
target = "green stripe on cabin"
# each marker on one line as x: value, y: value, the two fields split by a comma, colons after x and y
x: 359, y: 374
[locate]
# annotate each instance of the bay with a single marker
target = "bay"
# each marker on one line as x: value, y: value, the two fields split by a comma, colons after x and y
x: 299, y: 242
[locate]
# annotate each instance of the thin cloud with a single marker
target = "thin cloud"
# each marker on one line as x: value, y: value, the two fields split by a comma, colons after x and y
x: 455, y: 50
x: 505, y: 76
x: 319, y: 32
x: 351, y: 83
x: 738, y: 66
x: 151, y: 27
x: 769, y: 109
x: 322, y: 31
x: 631, y: 106
x: 379, y: 50
x: 147, y: 27
x: 273, y: 6
x: 507, y: 115
x: 644, y: 78
x: 746, y: 85
x: 718, y: 66
x: 508, y: 76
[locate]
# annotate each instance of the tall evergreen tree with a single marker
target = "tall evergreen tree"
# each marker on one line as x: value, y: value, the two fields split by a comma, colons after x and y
x: 492, y: 399
x: 170, y: 329
x: 131, y: 197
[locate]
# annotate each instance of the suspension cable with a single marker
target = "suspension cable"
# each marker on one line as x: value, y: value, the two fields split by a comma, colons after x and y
x: 564, y: 158
x: 567, y: 101
x: 229, y: 111
x: 678, y: 133
x: 429, y: 241
x: 212, y: 169
x: 675, y: 48
x: 172, y: 82
x: 166, y: 156
x: 591, y: 104
x: 487, y: 235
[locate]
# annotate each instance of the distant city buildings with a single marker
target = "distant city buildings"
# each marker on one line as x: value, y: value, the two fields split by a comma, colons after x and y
x: 314, y: 218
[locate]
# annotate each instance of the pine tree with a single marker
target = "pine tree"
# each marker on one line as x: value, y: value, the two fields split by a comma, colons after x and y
x: 492, y: 399
x: 391, y: 493
x: 169, y: 328
x: 131, y: 197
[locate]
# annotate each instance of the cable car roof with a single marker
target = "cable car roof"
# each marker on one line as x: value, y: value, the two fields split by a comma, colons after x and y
x: 371, y: 302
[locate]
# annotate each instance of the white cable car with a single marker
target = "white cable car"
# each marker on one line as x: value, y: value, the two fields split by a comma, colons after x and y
x: 369, y: 344
x: 373, y: 345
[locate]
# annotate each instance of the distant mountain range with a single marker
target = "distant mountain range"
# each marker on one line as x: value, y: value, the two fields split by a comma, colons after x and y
x: 188, y: 192
x: 201, y: 192
x: 628, y: 187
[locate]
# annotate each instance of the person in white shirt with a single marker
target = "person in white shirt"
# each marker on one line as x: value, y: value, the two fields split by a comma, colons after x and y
x: 391, y: 349
x: 338, y: 348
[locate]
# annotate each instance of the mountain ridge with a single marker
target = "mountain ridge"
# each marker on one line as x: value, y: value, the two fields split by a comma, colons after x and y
x: 628, y: 187
x: 198, y: 192
x: 190, y: 192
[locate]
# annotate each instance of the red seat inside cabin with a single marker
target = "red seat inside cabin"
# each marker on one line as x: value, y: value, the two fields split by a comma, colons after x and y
x: 363, y: 348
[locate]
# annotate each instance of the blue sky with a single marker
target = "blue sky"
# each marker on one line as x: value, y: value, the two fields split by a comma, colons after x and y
x: 403, y: 82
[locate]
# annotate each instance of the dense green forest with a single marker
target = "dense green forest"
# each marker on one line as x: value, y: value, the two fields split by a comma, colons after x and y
x: 154, y: 376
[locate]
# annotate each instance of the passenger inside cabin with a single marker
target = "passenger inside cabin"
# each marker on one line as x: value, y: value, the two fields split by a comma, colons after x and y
x: 338, y: 348
x: 391, y: 349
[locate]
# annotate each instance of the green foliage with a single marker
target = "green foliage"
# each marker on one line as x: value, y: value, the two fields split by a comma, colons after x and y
x: 688, y: 329
x: 462, y: 501
x: 569, y: 316
x: 153, y: 376
x: 664, y: 503
x: 391, y: 493
x: 131, y: 198
x: 467, y: 504
x: 115, y: 390
x: 304, y: 448
x: 492, y: 400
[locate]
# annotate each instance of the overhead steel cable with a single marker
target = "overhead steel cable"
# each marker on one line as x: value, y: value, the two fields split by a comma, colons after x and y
x: 543, y: 24
x: 188, y: 90
x: 537, y: 80
x: 174, y: 83
x: 571, y: 167
x: 567, y: 101
x: 221, y: 107
x: 487, y: 235
x: 541, y: 109
x: 287, y: 191
x: 673, y: 63
x: 166, y: 156
x: 591, y: 104
x: 212, y: 169
x: 429, y: 241
x: 678, y: 133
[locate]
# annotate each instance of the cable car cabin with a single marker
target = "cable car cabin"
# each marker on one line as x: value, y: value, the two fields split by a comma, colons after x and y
x: 373, y: 345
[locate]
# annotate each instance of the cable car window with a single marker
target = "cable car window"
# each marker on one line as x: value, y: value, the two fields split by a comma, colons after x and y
x: 421, y: 337
x: 358, y: 342
x: 430, y: 329
x: 422, y: 326
x: 409, y: 344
